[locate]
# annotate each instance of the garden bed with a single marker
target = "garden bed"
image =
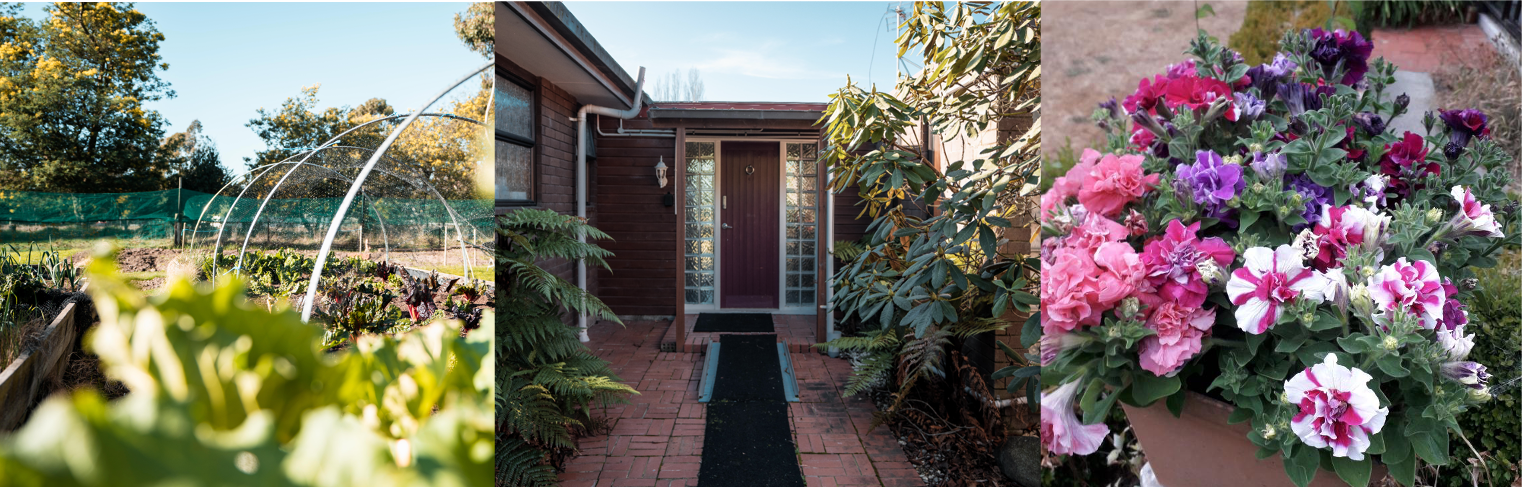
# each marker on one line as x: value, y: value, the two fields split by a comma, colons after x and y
x: 43, y: 361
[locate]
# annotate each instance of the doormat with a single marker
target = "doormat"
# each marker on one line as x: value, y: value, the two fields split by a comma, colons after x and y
x: 747, y: 440
x: 734, y: 323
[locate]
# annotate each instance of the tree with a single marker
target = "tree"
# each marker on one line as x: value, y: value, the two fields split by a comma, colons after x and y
x: 475, y: 28
x: 192, y: 161
x: 672, y: 88
x: 72, y: 92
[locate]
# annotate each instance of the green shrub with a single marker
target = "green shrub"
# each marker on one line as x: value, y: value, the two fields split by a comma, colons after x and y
x: 1407, y: 13
x: 1495, y: 316
x: 549, y: 379
x: 1266, y: 22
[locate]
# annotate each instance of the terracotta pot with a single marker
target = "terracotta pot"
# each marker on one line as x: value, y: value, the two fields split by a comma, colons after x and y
x: 1198, y: 448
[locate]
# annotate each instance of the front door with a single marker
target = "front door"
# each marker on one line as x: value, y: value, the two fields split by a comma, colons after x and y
x: 749, y: 182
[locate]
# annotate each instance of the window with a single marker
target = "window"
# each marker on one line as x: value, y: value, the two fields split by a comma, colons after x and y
x: 802, y: 202
x: 699, y: 262
x: 515, y: 113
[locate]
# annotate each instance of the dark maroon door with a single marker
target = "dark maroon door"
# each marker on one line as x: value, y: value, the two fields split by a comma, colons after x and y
x: 749, y: 182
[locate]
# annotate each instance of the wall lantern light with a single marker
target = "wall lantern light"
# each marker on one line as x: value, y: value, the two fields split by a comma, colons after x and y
x: 660, y: 171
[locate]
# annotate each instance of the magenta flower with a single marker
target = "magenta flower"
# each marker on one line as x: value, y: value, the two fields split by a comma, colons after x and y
x: 1268, y: 281
x: 1180, y: 329
x: 1464, y: 125
x: 1173, y: 258
x: 1454, y: 314
x: 1410, y: 287
x: 1405, y: 162
x: 1341, y: 228
x: 1123, y: 273
x: 1337, y: 408
x: 1061, y: 431
x: 1474, y: 218
x: 1069, y: 291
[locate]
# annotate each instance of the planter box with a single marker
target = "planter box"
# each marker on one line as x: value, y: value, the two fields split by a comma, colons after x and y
x: 22, y: 379
x: 1198, y: 448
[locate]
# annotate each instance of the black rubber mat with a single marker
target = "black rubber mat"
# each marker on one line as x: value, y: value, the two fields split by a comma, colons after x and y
x: 734, y: 323
x: 747, y: 441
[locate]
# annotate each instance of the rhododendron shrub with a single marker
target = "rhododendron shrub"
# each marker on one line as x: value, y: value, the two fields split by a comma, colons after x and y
x: 1261, y: 230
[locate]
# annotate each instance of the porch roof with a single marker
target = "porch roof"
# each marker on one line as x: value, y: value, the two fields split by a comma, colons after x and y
x: 738, y: 110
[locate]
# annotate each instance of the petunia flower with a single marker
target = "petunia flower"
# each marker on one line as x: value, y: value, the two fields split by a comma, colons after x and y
x: 1114, y: 182
x: 1405, y: 162
x: 1464, y: 125
x: 1314, y: 195
x: 1340, y: 47
x: 1410, y: 287
x: 1474, y: 218
x: 1337, y: 409
x: 1210, y: 183
x: 1471, y: 374
x: 1454, y: 313
x: 1061, y: 431
x: 1455, y: 342
x: 1269, y: 281
x: 1174, y: 259
x: 1340, y: 229
x: 1180, y: 331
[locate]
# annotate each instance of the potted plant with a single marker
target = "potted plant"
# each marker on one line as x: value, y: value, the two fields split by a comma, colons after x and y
x: 1258, y: 266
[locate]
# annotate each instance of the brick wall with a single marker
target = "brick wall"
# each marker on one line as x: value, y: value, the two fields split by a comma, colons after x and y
x: 556, y: 163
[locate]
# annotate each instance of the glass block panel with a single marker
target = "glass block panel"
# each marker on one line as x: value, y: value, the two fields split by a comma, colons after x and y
x: 515, y: 109
x: 515, y: 172
x: 699, y: 203
x: 802, y: 200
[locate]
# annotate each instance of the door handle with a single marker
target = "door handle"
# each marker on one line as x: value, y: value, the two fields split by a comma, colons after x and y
x: 725, y: 225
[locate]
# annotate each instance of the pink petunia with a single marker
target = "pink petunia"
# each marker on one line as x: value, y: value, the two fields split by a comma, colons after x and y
x: 1095, y: 230
x: 1061, y: 431
x: 1113, y: 183
x: 1180, y: 329
x: 1337, y: 408
x: 1067, y: 185
x: 1474, y: 218
x: 1069, y: 291
x: 1412, y: 287
x: 1268, y: 281
x: 1123, y: 274
x: 1341, y: 228
x: 1172, y: 258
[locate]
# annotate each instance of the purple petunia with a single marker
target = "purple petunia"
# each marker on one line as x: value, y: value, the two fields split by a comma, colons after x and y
x: 1301, y: 97
x: 1270, y: 166
x: 1249, y: 107
x: 1314, y: 195
x: 1211, y: 182
x: 1464, y: 125
x: 1349, y: 49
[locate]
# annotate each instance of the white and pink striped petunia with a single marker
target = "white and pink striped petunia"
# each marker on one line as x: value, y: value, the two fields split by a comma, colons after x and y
x: 1268, y: 281
x: 1337, y: 408
x: 1474, y: 217
x: 1412, y: 287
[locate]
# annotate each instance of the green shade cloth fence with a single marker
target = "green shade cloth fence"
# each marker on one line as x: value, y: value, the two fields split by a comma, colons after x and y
x: 185, y: 206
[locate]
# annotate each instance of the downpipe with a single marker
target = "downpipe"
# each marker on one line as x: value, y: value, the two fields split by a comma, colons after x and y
x: 581, y: 176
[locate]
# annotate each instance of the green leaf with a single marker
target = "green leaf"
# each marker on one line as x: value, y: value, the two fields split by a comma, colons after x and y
x: 1302, y: 465
x: 1031, y: 332
x: 1101, y: 408
x: 1429, y: 440
x: 1390, y: 364
x: 1239, y: 415
x: 1354, y: 472
x: 1204, y: 11
x: 1403, y: 471
x: 1147, y: 388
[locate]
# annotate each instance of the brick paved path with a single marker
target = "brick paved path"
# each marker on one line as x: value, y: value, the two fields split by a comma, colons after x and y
x: 657, y: 439
x: 1425, y: 49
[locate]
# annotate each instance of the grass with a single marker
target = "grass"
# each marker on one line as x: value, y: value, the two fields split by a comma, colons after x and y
x: 484, y: 273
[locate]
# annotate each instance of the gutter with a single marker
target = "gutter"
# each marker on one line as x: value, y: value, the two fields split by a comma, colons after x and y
x: 581, y: 176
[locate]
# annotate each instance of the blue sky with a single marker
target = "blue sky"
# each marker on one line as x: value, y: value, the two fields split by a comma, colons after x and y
x: 750, y: 51
x: 227, y: 60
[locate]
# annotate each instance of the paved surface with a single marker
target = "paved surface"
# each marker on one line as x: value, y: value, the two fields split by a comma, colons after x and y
x: 1425, y: 49
x: 657, y: 439
x: 1091, y: 51
x: 1418, y: 86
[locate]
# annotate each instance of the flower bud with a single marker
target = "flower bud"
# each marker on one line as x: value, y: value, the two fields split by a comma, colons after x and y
x: 1297, y: 198
x: 1390, y: 343
x: 1403, y: 101
x: 1232, y: 159
x: 1480, y: 395
x: 1210, y: 272
x: 1434, y: 215
x: 1255, y: 147
x: 1269, y: 432
x: 1307, y: 318
x: 1129, y: 307
x: 1469, y: 283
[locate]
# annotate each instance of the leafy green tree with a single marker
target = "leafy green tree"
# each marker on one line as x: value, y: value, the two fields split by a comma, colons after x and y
x: 932, y: 274
x: 73, y: 87
x: 475, y: 28
x: 549, y: 379
x: 192, y: 161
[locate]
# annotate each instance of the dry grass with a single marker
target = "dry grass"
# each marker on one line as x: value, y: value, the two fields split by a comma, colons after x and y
x: 1484, y: 80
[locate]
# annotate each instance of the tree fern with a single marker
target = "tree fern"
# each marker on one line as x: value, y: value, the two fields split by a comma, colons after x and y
x: 547, y: 380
